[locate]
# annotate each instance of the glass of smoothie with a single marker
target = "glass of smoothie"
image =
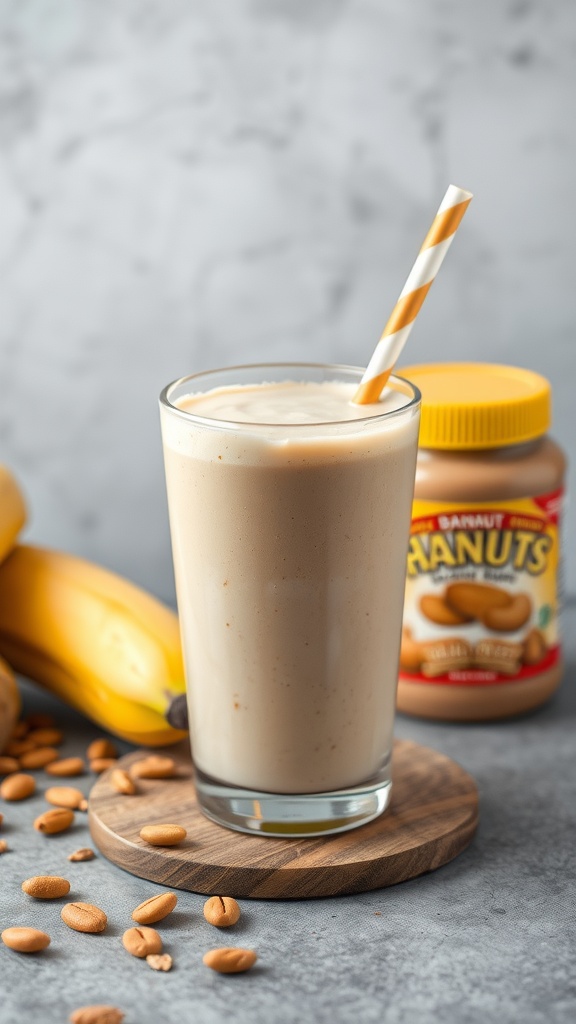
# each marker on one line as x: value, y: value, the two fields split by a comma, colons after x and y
x: 289, y: 511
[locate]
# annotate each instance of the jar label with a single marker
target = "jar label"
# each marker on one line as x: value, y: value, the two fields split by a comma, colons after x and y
x: 482, y: 591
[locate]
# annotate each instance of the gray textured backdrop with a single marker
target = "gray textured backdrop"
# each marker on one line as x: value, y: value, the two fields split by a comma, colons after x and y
x: 192, y: 184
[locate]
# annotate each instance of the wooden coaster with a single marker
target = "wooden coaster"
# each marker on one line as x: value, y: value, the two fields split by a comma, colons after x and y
x: 432, y: 818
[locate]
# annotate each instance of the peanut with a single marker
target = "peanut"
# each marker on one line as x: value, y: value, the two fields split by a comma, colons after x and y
x: 51, y: 822
x: 450, y: 654
x: 68, y: 766
x: 46, y: 887
x: 25, y: 940
x: 230, y: 960
x: 15, y: 748
x: 97, y: 1015
x: 411, y: 653
x: 159, y: 961
x: 142, y: 941
x: 435, y: 608
x: 101, y: 748
x: 84, y: 853
x: 121, y: 782
x: 498, y: 656
x: 39, y: 757
x: 46, y: 737
x: 64, y: 796
x: 163, y: 835
x: 100, y: 764
x: 511, y: 617
x: 17, y: 787
x: 154, y: 767
x: 156, y: 908
x: 84, y: 917
x: 474, y: 599
x: 3, y: 846
x: 221, y: 911
x: 8, y: 765
x: 534, y: 647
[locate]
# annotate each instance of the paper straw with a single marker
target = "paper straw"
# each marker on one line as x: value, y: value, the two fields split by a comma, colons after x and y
x: 428, y: 262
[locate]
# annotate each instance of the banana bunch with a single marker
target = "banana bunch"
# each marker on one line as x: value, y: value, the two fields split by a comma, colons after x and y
x: 95, y: 640
x: 12, y: 519
x: 10, y: 703
x: 12, y: 511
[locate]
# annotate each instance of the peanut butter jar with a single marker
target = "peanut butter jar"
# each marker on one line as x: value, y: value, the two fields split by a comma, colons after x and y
x: 481, y: 637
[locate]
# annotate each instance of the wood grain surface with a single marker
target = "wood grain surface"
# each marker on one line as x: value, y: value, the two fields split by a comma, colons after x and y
x: 432, y: 818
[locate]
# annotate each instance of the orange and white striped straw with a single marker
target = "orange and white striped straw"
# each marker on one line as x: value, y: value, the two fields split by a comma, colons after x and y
x: 428, y: 262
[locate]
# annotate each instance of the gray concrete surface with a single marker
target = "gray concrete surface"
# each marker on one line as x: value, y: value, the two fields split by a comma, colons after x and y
x: 488, y: 938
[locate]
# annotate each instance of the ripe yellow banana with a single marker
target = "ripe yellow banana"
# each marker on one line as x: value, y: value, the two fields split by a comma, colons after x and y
x: 10, y: 703
x: 12, y: 511
x: 97, y: 641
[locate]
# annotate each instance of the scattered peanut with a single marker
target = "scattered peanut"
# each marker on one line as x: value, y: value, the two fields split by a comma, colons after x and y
x: 25, y: 940
x: 97, y: 1015
x: 84, y: 917
x: 230, y: 960
x: 8, y: 765
x: 121, y: 782
x: 163, y: 835
x: 142, y: 941
x: 221, y: 911
x: 154, y: 767
x: 159, y: 961
x: 46, y: 737
x: 39, y: 757
x: 84, y: 853
x: 15, y: 748
x: 101, y: 748
x: 100, y: 764
x: 64, y: 796
x: 68, y: 766
x: 51, y: 822
x: 17, y: 787
x: 46, y: 887
x: 156, y: 908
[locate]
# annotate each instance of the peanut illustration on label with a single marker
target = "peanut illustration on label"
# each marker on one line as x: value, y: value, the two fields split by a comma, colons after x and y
x: 498, y: 656
x: 495, y: 608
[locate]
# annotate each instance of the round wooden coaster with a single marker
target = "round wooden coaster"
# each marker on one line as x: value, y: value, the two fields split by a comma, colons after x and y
x: 432, y: 818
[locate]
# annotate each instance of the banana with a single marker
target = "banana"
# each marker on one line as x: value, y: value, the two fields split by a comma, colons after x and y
x: 10, y: 703
x: 97, y: 641
x: 12, y: 511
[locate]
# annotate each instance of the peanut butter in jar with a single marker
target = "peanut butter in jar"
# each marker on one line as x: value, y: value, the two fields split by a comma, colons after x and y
x: 481, y: 637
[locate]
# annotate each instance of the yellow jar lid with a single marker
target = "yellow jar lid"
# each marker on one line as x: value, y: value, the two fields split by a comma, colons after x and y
x: 479, y: 405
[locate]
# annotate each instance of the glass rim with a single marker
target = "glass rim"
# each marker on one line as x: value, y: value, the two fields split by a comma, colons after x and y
x: 215, y: 422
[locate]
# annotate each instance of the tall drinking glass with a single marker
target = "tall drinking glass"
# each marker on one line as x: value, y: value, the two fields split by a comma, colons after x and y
x: 289, y: 515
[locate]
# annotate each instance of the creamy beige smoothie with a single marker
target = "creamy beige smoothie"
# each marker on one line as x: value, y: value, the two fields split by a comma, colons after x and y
x: 290, y: 513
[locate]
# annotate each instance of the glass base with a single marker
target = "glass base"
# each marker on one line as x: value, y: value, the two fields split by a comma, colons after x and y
x: 293, y: 816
